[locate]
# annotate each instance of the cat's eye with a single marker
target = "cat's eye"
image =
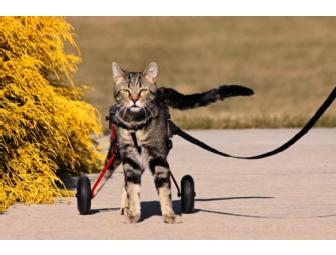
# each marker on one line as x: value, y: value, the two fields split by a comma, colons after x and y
x: 125, y: 91
x: 144, y: 91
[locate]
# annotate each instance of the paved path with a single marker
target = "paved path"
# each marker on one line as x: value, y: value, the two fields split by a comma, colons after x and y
x: 289, y: 196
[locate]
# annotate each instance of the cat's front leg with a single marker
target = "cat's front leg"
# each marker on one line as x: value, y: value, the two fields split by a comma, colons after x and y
x: 132, y: 173
x: 124, y: 200
x: 161, y: 172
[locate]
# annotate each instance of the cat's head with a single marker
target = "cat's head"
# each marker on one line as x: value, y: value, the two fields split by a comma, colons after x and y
x: 134, y: 90
x: 134, y: 93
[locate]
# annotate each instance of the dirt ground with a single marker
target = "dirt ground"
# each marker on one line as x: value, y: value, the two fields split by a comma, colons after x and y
x: 288, y: 196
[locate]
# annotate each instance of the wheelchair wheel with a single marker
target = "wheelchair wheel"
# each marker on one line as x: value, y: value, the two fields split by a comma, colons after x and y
x: 84, y: 195
x: 187, y: 194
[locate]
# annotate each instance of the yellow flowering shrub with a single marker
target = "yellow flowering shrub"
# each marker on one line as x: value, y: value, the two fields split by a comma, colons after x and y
x: 45, y: 127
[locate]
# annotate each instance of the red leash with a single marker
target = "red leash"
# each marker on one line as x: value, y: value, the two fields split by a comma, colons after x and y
x: 114, y: 138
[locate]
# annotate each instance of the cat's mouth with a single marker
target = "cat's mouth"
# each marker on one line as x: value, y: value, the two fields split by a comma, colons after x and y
x: 135, y: 108
x: 133, y: 117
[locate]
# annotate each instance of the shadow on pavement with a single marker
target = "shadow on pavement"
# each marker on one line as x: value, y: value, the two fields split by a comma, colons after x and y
x: 235, y: 214
x: 151, y: 208
x: 94, y: 211
x: 227, y: 198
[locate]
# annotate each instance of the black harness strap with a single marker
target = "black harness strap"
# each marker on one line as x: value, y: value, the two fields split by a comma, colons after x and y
x: 135, y: 141
x: 176, y: 130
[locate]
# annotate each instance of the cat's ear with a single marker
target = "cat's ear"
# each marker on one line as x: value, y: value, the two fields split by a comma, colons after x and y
x: 117, y: 73
x: 151, y: 72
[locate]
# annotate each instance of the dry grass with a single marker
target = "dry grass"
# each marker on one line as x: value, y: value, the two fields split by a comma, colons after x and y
x: 288, y: 61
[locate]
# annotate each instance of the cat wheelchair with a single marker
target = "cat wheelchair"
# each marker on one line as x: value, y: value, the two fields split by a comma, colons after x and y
x: 85, y: 193
x: 187, y: 193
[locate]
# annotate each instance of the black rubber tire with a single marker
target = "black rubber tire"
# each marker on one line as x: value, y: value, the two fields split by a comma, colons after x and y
x: 187, y: 194
x: 84, y: 195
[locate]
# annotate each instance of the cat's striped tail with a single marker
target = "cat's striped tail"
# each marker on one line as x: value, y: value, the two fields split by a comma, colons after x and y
x: 179, y: 101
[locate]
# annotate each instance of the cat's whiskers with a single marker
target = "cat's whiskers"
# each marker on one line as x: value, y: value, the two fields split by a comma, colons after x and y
x: 124, y: 112
x: 145, y: 111
x: 150, y: 111
x: 154, y: 106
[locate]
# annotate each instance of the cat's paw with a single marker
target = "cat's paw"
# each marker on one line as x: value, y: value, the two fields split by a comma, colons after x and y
x: 131, y: 219
x: 172, y: 219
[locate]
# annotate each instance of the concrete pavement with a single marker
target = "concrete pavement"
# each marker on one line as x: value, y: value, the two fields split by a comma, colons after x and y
x: 288, y: 196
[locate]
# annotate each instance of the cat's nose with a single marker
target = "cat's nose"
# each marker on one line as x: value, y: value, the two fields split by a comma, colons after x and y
x: 134, y: 98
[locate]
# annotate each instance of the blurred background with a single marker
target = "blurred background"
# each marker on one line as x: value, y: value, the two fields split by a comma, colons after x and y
x: 288, y: 61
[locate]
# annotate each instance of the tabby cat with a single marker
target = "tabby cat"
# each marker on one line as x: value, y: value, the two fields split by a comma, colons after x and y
x: 141, y: 114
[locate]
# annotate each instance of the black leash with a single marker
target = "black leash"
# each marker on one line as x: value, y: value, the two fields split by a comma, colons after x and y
x: 176, y: 130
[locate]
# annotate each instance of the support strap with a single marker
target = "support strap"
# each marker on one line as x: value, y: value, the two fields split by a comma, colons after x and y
x: 176, y: 130
x: 175, y: 183
x: 110, y: 161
